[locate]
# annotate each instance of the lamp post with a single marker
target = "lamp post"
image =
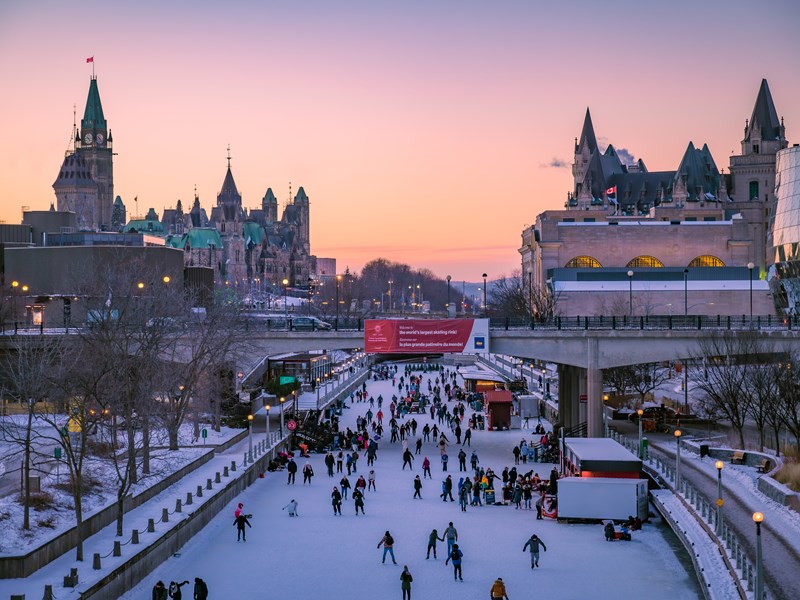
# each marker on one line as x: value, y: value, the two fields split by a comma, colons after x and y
x: 750, y: 268
x: 686, y: 292
x: 14, y: 286
x: 282, y: 401
x: 338, y: 279
x: 250, y: 437
x: 759, y: 594
x: 719, y: 464
x: 310, y: 294
x: 630, y: 293
x: 285, y: 283
x: 640, y: 412
x: 267, y: 409
x: 390, y: 295
x: 678, y: 461
x: 448, y: 295
x: 485, y: 308
x: 317, y: 393
x: 530, y: 290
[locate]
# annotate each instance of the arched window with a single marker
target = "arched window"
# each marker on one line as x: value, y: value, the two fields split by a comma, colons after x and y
x: 583, y: 262
x: 706, y: 260
x: 645, y: 261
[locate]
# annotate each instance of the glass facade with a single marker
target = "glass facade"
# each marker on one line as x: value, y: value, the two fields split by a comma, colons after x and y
x: 784, y: 274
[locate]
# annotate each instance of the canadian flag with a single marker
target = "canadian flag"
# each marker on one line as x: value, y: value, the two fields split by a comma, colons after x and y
x: 612, y: 191
x: 90, y: 59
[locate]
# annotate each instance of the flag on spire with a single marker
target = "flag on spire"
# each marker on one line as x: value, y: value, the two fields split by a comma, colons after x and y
x: 90, y: 59
x: 612, y: 191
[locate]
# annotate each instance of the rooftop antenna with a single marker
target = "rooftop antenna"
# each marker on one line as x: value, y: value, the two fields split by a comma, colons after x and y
x: 136, y: 201
x: 289, y: 200
x: 229, y: 156
x: 195, y: 191
x: 71, y: 145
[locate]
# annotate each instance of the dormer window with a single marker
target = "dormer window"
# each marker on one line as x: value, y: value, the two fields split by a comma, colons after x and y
x: 755, y: 148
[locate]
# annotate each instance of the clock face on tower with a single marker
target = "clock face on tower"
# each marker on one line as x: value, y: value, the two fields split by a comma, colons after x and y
x: 100, y: 139
x: 87, y: 139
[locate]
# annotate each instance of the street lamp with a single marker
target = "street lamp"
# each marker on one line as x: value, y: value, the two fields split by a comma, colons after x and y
x: 282, y: 401
x: 630, y: 293
x: 719, y: 464
x: 266, y: 408
x: 485, y: 308
x: 250, y: 437
x: 530, y: 289
x: 285, y: 283
x: 678, y: 462
x: 338, y: 279
x: 390, y: 295
x: 686, y: 292
x: 310, y: 293
x: 758, y: 517
x: 317, y: 393
x: 640, y: 412
x: 750, y: 268
x: 448, y: 295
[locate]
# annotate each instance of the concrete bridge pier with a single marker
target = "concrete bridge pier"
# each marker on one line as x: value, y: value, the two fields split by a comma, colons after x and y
x: 574, y: 382
x: 594, y: 390
x: 570, y: 382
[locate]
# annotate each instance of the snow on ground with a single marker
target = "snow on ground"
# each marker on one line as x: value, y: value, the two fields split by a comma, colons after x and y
x: 317, y: 555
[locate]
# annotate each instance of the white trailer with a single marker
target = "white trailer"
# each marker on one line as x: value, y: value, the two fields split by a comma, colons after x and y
x: 597, y: 498
x: 528, y: 406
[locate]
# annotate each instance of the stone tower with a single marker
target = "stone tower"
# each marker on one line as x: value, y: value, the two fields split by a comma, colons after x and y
x: 76, y: 191
x: 94, y: 147
x: 303, y: 208
x: 269, y: 206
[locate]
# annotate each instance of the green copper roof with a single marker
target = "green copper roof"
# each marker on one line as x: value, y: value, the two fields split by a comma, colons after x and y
x: 197, y: 237
x: 93, y: 115
x: 252, y: 232
x: 153, y: 226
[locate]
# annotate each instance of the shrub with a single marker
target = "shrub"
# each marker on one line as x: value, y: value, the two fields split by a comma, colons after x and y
x: 39, y: 500
x: 789, y: 475
x: 49, y: 523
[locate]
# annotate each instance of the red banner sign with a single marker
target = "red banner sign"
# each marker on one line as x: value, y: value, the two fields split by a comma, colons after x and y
x: 426, y: 336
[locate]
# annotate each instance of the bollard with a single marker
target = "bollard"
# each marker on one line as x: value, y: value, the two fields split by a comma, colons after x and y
x: 48, y: 592
x: 96, y: 562
x: 188, y: 498
x: 117, y: 548
x: 233, y: 466
x: 164, y: 515
x: 208, y: 483
x: 17, y: 596
x: 199, y: 491
x: 73, y: 575
x: 151, y: 526
x: 135, y: 536
x: 225, y: 472
x: 178, y: 507
x: 217, y: 477
x: 244, y: 461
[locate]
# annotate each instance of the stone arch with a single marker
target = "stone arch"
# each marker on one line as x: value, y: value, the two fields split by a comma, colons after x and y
x: 583, y: 262
x: 645, y: 261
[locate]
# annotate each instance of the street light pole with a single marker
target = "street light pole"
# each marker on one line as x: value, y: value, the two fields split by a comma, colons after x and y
x: 285, y: 283
x: 250, y: 437
x: 719, y: 464
x: 530, y: 290
x: 390, y: 295
x: 448, y: 295
x: 686, y: 292
x: 750, y: 268
x: 267, y: 409
x: 640, y: 412
x: 630, y: 293
x: 282, y: 401
x: 485, y: 308
x: 338, y: 279
x: 759, y: 594
x: 678, y: 462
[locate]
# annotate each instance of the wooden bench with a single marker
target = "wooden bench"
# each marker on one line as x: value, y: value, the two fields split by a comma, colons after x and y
x: 764, y: 466
x: 737, y: 458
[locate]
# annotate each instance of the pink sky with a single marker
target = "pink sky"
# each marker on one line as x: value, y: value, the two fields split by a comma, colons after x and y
x: 421, y: 131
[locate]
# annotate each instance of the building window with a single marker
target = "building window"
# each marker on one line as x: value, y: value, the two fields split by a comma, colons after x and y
x: 583, y: 262
x: 706, y: 260
x: 753, y: 190
x: 646, y: 262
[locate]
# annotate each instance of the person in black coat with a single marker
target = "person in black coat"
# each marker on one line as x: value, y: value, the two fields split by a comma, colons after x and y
x: 240, y: 522
x: 291, y: 467
x: 175, y: 589
x: 160, y: 592
x: 336, y: 500
x: 417, y: 487
x: 200, y: 589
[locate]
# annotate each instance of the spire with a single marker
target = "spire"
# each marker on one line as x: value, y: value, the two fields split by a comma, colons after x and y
x: 587, y: 134
x: 764, y: 117
x: 93, y: 117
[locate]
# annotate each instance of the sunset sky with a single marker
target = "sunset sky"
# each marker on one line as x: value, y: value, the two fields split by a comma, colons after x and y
x: 424, y: 132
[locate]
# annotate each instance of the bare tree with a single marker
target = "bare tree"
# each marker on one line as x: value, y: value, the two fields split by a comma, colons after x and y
x: 619, y: 378
x: 647, y: 377
x: 765, y: 402
x: 789, y: 393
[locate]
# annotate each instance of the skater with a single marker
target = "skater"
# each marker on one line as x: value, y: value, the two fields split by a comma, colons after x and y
x: 498, y: 591
x: 473, y: 461
x: 463, y: 496
x: 434, y: 535
x: 608, y: 530
x: 407, y: 459
x: 534, y: 542
x: 329, y: 462
x: 358, y: 498
x: 455, y: 556
x: 387, y: 541
x: 291, y: 468
x: 175, y: 589
x: 345, y: 483
x: 361, y: 484
x: 418, y: 446
x: 405, y: 582
x: 447, y: 489
x: 159, y: 591
x: 539, y: 503
x: 462, y: 460
x: 426, y: 468
x: 516, y: 452
x: 451, y: 535
x: 292, y: 508
x: 339, y: 461
x: 445, y: 458
x: 371, y: 477
x: 308, y: 473
x: 240, y: 522
x: 417, y: 487
x: 238, y: 510
x: 336, y: 500
x: 200, y: 589
x: 468, y: 437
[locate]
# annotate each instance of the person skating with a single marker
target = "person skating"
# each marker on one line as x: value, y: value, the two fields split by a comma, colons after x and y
x: 418, y: 446
x: 238, y: 510
x: 339, y: 461
x: 516, y: 452
x: 387, y: 541
x: 426, y: 468
x: 160, y: 592
x: 291, y: 468
x: 451, y: 535
x: 473, y: 461
x: 408, y: 457
x: 463, y: 496
x: 308, y: 473
x: 462, y: 460
x: 417, y: 487
x: 539, y: 503
x: 361, y: 484
x: 445, y: 458
x: 329, y: 462
x: 345, y: 484
x: 200, y: 589
x: 405, y: 582
x: 447, y: 489
x: 336, y: 501
x: 533, y: 543
x: 240, y: 522
x: 498, y: 591
x: 455, y: 556
x: 175, y: 589
x: 358, y: 499
x: 468, y: 437
x: 371, y: 477
x: 434, y: 535
x: 291, y: 507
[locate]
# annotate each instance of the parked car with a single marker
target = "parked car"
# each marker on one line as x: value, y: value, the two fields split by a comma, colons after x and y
x: 657, y: 413
x: 310, y: 324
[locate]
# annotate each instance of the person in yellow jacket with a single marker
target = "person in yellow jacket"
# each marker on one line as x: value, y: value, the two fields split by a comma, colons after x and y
x: 498, y: 590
